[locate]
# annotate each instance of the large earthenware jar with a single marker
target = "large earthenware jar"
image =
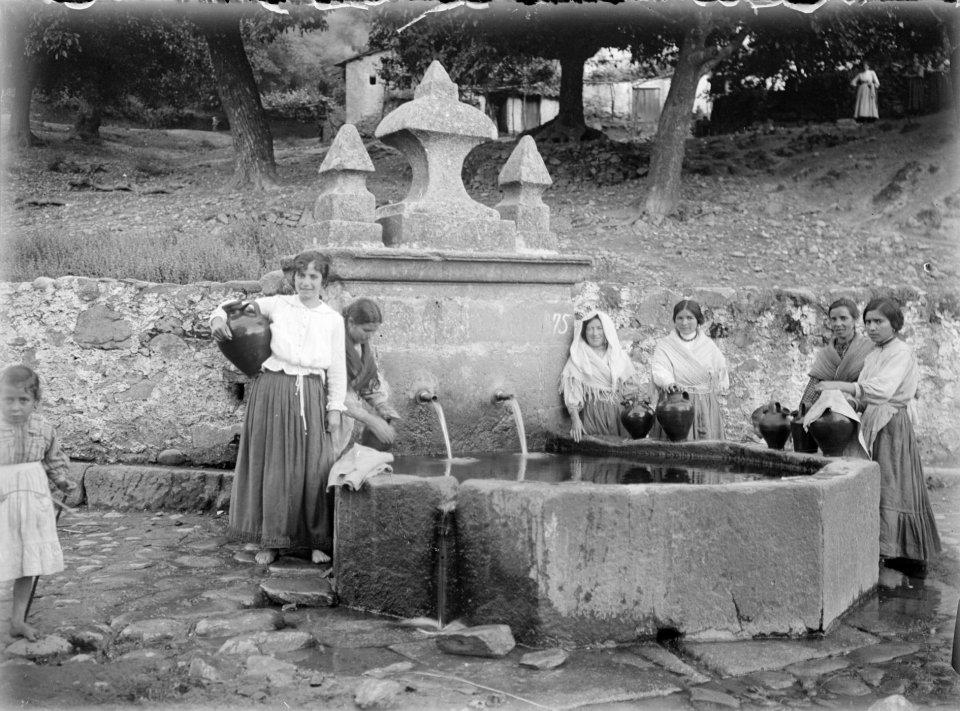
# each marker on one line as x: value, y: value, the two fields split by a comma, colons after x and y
x: 250, y: 344
x: 832, y: 431
x: 675, y: 415
x: 802, y: 441
x: 637, y: 418
x: 774, y: 426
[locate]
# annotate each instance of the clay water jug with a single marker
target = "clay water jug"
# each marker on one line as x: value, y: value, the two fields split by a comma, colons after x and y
x: 637, y: 418
x: 774, y: 426
x: 802, y: 441
x: 675, y: 415
x: 832, y: 431
x: 250, y: 345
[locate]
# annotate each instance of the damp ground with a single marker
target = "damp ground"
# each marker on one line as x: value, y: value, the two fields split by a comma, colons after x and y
x: 158, y: 610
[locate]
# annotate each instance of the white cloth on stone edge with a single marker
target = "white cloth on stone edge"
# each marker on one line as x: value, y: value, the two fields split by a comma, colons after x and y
x: 358, y: 464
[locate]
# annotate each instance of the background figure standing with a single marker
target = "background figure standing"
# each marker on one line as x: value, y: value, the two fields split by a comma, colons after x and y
x: 915, y: 87
x: 865, y: 105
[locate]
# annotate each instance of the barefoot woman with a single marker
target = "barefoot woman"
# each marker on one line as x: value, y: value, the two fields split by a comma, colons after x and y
x: 279, y: 497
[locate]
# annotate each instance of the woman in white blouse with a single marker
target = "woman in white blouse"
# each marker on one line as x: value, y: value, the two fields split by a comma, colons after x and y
x: 865, y: 105
x: 279, y: 497
x: 688, y: 360
x: 885, y: 390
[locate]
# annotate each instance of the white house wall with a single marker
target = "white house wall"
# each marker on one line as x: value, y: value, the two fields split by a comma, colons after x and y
x: 363, y: 98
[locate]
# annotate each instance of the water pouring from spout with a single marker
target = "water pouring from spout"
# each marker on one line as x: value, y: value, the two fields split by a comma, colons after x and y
x: 425, y: 396
x: 511, y: 400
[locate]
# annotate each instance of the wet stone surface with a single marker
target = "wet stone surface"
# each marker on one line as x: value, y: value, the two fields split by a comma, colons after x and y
x: 154, y: 609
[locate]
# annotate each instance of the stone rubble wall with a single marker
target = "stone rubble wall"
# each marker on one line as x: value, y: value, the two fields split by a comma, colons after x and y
x: 129, y: 373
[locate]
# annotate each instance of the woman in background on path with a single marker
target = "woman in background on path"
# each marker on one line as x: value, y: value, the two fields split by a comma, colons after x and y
x: 279, y: 497
x: 886, y: 390
x: 29, y: 457
x: 597, y: 377
x: 865, y: 105
x: 367, y: 398
x: 688, y: 360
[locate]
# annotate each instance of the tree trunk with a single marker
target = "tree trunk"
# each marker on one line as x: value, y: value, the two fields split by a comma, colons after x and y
x: 673, y: 129
x: 240, y: 98
x: 571, y: 89
x: 86, y: 126
x: 24, y: 71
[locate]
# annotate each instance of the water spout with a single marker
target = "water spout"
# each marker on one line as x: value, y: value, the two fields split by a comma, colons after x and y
x: 428, y: 396
x: 501, y: 396
x: 517, y: 417
x: 425, y: 396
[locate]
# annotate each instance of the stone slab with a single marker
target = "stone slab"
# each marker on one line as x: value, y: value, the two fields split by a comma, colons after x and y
x: 154, y: 488
x: 384, y: 556
x: 304, y: 591
x: 356, y: 634
x: 739, y: 658
x: 558, y: 563
x: 669, y: 661
x: 239, y: 623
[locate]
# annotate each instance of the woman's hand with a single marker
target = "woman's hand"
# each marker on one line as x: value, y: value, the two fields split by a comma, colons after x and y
x: 576, y: 430
x: 673, y: 388
x: 382, y: 429
x: 220, y: 330
x: 840, y: 385
x: 333, y: 420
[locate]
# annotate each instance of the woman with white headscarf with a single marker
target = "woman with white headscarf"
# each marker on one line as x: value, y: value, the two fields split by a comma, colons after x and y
x: 596, y: 379
x: 688, y: 360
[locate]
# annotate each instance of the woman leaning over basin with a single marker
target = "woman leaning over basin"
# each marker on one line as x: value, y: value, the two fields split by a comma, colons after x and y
x: 367, y: 400
x: 596, y: 379
x: 885, y: 391
x: 688, y: 360
x: 279, y: 497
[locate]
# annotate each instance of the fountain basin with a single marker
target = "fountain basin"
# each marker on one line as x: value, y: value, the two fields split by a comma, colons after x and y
x: 582, y: 563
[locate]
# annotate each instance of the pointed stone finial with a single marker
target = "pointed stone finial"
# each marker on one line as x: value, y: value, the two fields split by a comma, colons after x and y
x: 347, y: 152
x: 437, y: 83
x: 344, y: 210
x: 435, y: 132
x: 523, y: 179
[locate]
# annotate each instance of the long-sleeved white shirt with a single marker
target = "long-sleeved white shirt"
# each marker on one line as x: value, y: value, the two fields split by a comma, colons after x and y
x: 304, y: 341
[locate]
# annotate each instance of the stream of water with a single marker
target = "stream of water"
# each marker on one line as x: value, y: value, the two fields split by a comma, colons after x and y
x: 518, y: 418
x: 443, y: 427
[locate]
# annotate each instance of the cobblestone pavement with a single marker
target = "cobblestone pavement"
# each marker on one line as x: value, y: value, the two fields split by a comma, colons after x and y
x: 157, y: 610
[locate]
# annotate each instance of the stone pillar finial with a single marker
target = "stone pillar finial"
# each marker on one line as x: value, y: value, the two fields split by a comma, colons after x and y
x: 344, y: 210
x: 435, y: 132
x: 523, y: 179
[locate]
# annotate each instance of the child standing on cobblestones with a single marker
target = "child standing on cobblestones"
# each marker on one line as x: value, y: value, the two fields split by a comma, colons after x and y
x: 29, y: 456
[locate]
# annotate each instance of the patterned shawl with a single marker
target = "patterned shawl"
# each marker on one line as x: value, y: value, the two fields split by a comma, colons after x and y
x: 599, y: 375
x: 828, y: 365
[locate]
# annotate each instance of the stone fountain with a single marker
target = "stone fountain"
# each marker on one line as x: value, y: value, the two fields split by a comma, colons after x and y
x: 478, y: 304
x: 476, y: 298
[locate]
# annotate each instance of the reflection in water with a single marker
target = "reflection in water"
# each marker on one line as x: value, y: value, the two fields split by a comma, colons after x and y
x: 556, y: 468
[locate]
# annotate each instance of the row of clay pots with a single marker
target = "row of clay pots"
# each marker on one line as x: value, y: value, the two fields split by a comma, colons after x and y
x: 830, y: 432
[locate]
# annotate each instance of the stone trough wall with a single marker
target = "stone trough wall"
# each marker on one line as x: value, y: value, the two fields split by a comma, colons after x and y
x: 130, y: 374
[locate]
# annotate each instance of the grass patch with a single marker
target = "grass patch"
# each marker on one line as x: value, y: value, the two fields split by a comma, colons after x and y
x: 241, y: 251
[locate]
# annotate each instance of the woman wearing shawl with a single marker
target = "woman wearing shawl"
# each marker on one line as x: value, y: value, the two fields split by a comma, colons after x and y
x: 597, y: 377
x: 842, y: 358
x: 367, y: 399
x: 688, y: 360
x: 885, y: 390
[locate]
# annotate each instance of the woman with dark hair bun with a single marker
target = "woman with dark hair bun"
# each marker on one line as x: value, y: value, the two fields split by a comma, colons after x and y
x: 279, y: 497
x: 688, y: 360
x: 886, y: 390
x: 367, y: 400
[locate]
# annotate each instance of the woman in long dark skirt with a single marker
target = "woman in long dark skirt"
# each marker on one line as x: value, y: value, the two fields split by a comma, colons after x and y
x: 885, y: 389
x: 279, y: 497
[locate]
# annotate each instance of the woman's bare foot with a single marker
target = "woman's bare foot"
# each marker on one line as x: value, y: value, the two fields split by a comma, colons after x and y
x: 265, y: 556
x: 319, y: 557
x: 22, y: 629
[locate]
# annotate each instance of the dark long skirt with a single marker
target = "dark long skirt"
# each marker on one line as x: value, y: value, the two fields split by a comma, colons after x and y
x: 280, y: 497
x: 602, y: 418
x: 907, y: 527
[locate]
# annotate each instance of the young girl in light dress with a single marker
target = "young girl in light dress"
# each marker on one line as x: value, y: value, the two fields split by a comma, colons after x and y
x: 29, y: 457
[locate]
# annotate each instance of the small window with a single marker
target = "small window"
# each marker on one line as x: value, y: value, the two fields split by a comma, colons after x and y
x: 373, y: 80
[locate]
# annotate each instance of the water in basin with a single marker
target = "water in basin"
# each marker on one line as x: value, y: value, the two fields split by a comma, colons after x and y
x: 558, y: 468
